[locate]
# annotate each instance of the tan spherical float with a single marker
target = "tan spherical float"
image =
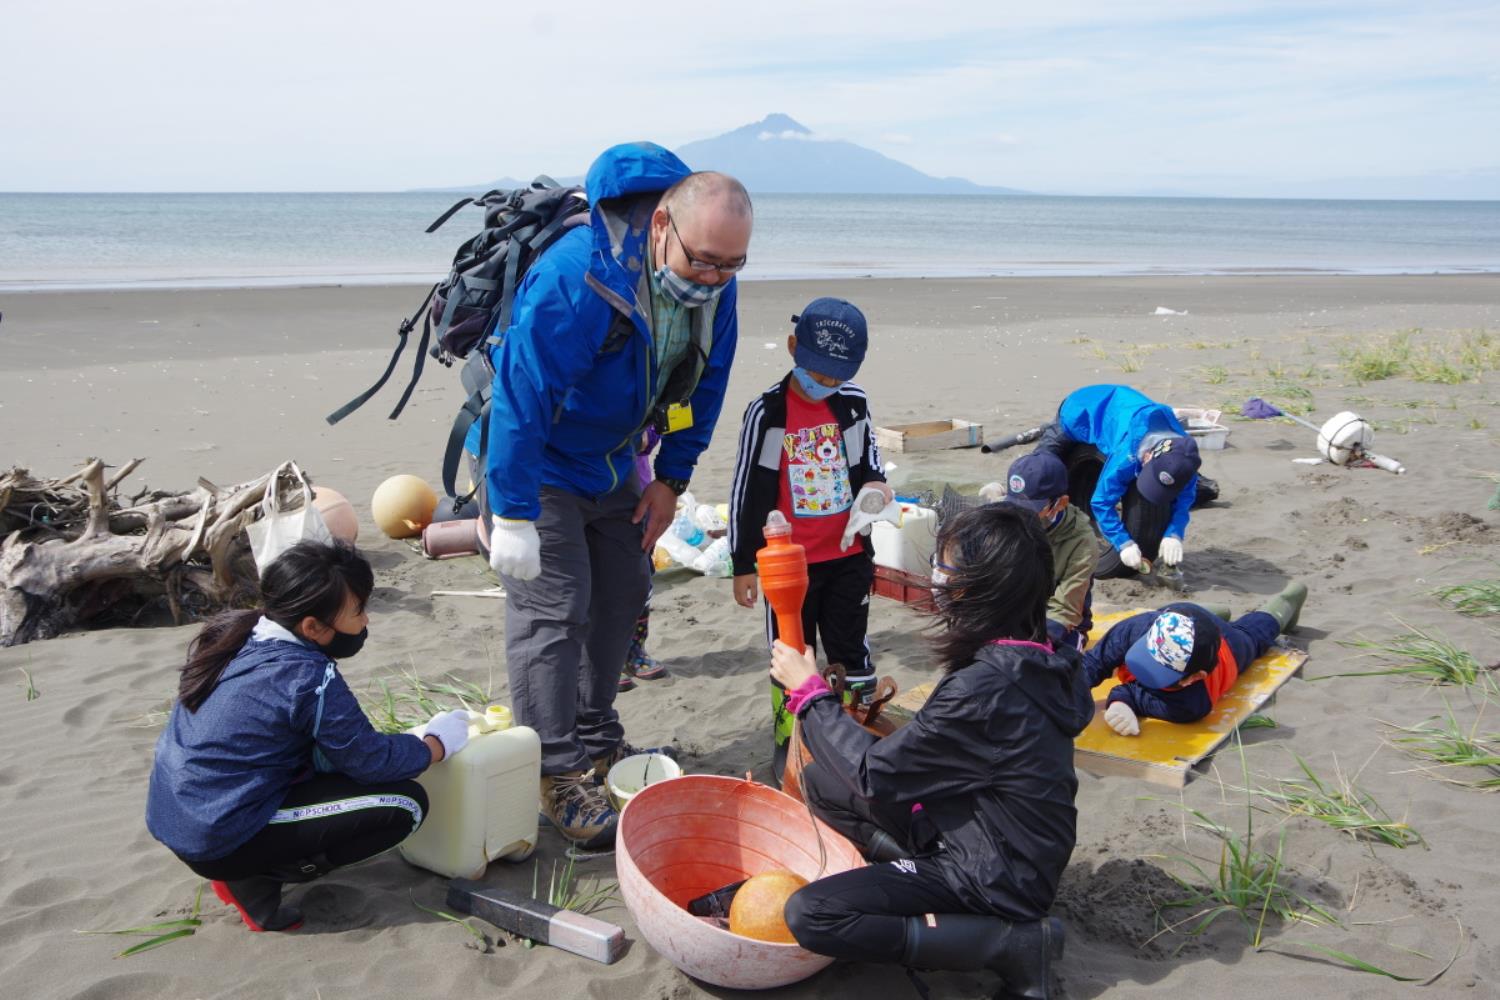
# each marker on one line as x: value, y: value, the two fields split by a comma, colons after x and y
x: 338, y: 513
x: 403, y: 506
x: 758, y: 908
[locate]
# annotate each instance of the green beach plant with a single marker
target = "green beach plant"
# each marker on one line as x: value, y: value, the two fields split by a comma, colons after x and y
x: 1478, y: 599
x: 32, y: 694
x: 1257, y: 720
x: 1340, y: 803
x: 482, y: 941
x: 161, y: 933
x: 566, y: 891
x: 1444, y: 745
x: 1419, y: 654
x: 406, y: 700
x: 1244, y: 882
x: 1215, y: 374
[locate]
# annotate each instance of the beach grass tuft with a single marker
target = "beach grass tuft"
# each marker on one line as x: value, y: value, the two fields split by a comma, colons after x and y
x: 481, y: 940
x: 1419, y: 654
x: 1258, y: 721
x: 1444, y: 746
x: 1478, y: 599
x: 32, y: 694
x: 566, y: 890
x: 1215, y: 374
x: 1340, y: 803
x: 1245, y: 882
x: 406, y: 700
x: 1461, y: 357
x: 164, y: 932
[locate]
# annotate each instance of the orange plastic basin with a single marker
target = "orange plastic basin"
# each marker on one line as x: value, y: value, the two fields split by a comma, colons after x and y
x: 680, y: 839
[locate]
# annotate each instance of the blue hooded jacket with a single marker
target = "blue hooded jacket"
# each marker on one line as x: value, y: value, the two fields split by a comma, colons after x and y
x: 564, y: 412
x: 222, y: 771
x: 1114, y: 419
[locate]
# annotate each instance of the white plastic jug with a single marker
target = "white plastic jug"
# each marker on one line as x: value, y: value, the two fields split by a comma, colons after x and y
x: 482, y: 803
x: 907, y: 546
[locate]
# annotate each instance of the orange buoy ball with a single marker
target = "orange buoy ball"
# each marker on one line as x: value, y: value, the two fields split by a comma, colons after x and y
x: 757, y: 910
x: 338, y: 514
x: 402, y: 506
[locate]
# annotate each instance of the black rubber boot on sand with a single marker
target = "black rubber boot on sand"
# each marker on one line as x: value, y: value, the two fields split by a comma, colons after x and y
x: 1021, y: 954
x: 259, y: 902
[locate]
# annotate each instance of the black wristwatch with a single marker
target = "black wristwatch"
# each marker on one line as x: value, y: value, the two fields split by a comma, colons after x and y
x: 677, y: 486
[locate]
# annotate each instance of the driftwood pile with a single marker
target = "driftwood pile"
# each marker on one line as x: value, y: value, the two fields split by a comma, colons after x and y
x: 74, y: 554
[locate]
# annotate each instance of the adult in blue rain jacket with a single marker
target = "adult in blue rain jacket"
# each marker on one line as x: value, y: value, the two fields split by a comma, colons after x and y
x: 1144, y: 491
x: 626, y: 323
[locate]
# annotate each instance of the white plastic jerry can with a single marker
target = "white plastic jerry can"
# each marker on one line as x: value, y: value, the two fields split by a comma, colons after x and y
x: 907, y: 546
x: 482, y: 803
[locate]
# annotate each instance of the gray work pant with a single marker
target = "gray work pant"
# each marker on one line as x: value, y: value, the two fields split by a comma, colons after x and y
x: 567, y: 631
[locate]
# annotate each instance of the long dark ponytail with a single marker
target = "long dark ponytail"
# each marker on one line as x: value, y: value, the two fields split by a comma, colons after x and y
x: 1000, y: 582
x: 310, y: 578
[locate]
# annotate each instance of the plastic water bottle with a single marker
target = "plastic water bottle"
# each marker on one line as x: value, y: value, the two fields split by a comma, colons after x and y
x: 716, y: 560
x: 684, y: 528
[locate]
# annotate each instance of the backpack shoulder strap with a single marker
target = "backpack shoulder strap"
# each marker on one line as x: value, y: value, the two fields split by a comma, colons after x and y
x: 406, y: 327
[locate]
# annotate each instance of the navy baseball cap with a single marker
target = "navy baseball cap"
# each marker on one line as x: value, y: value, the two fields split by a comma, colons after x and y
x: 1174, y: 462
x: 1183, y: 640
x: 1036, y: 480
x: 831, y: 338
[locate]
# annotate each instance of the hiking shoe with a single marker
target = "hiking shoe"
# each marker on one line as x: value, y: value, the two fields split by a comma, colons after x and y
x: 625, y: 749
x: 579, y: 807
x: 259, y: 901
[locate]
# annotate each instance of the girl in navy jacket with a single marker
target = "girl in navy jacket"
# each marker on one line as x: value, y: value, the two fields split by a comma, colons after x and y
x: 971, y: 803
x: 268, y: 772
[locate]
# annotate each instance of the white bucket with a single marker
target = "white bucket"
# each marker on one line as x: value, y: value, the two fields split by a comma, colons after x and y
x: 637, y: 771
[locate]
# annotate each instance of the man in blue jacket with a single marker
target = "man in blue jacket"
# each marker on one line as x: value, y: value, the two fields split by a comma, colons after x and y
x: 1145, y: 490
x: 625, y: 323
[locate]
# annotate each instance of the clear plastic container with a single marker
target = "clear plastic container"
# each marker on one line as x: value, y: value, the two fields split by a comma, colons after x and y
x: 482, y: 802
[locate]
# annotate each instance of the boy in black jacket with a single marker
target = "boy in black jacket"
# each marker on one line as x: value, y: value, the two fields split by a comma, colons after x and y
x: 807, y: 448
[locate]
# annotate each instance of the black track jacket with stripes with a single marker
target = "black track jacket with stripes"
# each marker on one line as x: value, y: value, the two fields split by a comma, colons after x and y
x: 757, y: 468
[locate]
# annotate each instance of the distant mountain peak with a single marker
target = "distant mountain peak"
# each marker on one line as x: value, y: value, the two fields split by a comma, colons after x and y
x: 761, y: 156
x: 781, y: 123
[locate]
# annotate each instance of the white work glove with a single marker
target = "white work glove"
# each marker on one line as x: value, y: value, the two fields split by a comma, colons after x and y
x: 993, y: 492
x: 515, y: 549
x: 1121, y: 718
x: 451, y: 729
x: 1130, y: 555
x: 1170, y: 550
x: 873, y: 503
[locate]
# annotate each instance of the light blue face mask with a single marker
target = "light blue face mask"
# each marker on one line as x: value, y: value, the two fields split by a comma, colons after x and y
x: 816, y: 391
x: 685, y: 291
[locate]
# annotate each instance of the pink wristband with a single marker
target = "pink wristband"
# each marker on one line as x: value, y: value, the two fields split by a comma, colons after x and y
x: 805, y: 692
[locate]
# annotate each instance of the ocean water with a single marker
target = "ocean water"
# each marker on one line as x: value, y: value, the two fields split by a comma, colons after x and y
x: 78, y: 241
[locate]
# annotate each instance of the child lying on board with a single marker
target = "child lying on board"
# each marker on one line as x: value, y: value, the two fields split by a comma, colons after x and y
x: 1176, y: 663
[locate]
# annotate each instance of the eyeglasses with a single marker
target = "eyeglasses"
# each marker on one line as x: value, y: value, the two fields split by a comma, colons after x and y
x: 698, y: 263
x: 937, y: 564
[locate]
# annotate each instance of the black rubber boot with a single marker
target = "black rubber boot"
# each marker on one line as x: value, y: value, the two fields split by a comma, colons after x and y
x: 1020, y: 954
x: 1286, y: 607
x: 259, y: 902
x: 884, y: 847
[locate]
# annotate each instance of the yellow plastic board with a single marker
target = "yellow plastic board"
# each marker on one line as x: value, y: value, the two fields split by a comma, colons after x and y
x: 1165, y: 752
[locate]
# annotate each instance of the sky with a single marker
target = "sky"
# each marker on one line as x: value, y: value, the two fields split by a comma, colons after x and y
x: 1217, y: 97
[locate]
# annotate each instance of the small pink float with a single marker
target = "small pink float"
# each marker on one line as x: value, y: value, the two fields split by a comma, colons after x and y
x: 680, y: 839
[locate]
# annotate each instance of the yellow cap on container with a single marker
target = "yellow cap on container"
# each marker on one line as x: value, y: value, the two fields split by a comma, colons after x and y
x: 498, y: 716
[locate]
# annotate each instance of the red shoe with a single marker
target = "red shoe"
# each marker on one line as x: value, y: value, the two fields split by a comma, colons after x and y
x: 259, y: 901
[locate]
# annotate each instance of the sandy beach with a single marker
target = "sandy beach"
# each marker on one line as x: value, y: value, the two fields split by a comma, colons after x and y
x: 226, y: 384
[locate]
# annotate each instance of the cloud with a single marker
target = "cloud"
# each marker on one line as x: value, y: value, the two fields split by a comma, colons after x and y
x: 180, y: 95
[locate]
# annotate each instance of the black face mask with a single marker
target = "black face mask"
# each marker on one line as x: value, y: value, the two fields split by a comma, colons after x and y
x: 344, y: 644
